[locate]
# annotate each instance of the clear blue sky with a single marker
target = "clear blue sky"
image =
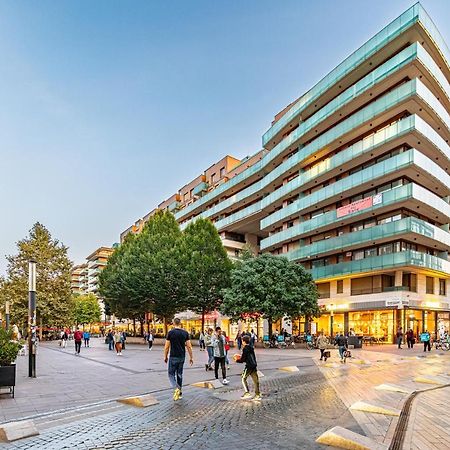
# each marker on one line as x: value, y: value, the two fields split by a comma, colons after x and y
x: 108, y: 107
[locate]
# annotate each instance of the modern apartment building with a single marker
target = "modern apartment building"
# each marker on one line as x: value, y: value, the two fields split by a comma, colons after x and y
x: 353, y: 182
x: 85, y: 276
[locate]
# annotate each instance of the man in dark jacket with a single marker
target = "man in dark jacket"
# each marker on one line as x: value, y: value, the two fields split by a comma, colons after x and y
x: 342, y: 343
x: 251, y: 369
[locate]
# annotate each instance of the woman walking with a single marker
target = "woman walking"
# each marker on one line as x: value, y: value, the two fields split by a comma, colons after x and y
x: 322, y: 343
x: 118, y: 342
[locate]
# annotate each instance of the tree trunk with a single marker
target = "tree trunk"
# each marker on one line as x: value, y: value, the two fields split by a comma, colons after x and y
x: 165, y: 326
x: 203, y: 320
x: 269, y: 322
x: 141, y: 331
x: 134, y: 326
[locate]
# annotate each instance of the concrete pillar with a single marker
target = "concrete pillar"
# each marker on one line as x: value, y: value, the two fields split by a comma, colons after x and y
x: 398, y: 278
x: 436, y: 285
x: 347, y: 286
x: 421, y: 284
x: 252, y: 242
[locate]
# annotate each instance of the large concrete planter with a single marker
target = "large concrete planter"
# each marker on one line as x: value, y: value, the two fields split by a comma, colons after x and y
x: 8, y: 377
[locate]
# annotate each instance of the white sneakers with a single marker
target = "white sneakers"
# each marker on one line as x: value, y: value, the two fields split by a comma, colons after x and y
x: 225, y: 381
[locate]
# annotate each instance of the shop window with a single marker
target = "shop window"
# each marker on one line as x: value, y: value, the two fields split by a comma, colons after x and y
x: 340, y: 286
x: 430, y: 285
x: 442, y: 287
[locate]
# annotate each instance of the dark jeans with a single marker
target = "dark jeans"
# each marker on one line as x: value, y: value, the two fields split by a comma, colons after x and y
x: 86, y: 342
x: 111, y: 344
x: 427, y: 345
x: 254, y: 376
x: 176, y: 372
x: 150, y: 344
x: 77, y: 346
x: 322, y: 350
x: 220, y: 360
x: 410, y: 343
x: 399, y: 342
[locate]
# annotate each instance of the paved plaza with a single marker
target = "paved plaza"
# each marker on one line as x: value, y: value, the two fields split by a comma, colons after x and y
x: 73, y: 400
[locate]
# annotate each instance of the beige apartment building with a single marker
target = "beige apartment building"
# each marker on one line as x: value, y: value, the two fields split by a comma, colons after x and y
x: 352, y: 182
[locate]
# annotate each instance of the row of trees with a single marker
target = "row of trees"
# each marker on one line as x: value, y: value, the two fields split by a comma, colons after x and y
x: 56, y: 306
x: 164, y: 271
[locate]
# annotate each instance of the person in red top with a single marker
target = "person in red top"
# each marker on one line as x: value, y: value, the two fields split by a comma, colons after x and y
x: 78, y: 337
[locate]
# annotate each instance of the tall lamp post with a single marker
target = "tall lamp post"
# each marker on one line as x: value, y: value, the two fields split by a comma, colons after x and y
x: 7, y: 314
x: 32, y: 318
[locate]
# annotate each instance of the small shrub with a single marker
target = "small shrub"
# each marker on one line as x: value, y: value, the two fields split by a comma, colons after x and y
x: 9, y: 349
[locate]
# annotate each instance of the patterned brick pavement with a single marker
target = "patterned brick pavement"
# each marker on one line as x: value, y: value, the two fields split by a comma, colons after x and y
x: 295, y: 410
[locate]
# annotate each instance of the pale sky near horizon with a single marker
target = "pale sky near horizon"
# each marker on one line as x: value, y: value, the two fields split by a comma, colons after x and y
x: 109, y: 107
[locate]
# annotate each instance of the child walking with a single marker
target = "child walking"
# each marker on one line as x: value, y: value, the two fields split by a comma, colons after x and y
x: 251, y: 369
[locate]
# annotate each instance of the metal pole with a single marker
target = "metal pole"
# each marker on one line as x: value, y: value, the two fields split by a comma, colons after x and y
x: 32, y: 319
x: 7, y: 314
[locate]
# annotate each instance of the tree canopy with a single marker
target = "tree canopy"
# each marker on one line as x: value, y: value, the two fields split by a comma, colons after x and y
x: 86, y: 309
x: 208, y: 268
x: 52, y: 282
x: 272, y: 287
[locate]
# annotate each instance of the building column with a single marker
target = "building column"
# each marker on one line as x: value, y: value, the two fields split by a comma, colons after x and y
x: 398, y: 278
x: 347, y: 287
x: 252, y: 241
x: 436, y: 285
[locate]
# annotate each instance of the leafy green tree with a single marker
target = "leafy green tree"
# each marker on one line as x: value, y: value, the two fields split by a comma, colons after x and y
x: 146, y: 272
x: 86, y: 309
x: 272, y: 287
x: 207, y: 269
x: 53, y: 279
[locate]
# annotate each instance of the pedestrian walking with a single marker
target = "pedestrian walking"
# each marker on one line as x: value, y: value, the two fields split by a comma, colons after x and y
x: 342, y: 343
x: 86, y: 337
x: 110, y: 339
x: 410, y: 339
x: 251, y: 368
x: 65, y: 338
x: 150, y: 340
x: 201, y: 341
x: 177, y: 341
x: 209, y: 349
x: 227, y: 349
x: 399, y: 337
x: 117, y: 336
x: 426, y: 339
x: 219, y: 343
x: 239, y: 340
x: 253, y: 338
x: 322, y: 343
x: 123, y: 339
x: 77, y: 336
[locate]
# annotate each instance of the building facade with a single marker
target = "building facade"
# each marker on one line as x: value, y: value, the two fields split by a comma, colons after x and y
x: 85, y: 276
x: 353, y: 182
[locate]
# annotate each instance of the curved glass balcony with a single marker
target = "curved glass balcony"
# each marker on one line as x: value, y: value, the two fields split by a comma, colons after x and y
x: 390, y: 261
x: 391, y: 197
x: 368, y: 235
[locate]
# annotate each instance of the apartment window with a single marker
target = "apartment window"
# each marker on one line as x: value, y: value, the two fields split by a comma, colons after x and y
x: 442, y: 287
x: 340, y: 286
x: 385, y: 249
x: 357, y: 255
x: 222, y: 172
x: 370, y: 252
x: 290, y: 224
x: 430, y: 285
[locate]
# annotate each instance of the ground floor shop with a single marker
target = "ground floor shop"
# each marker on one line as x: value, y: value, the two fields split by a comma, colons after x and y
x: 381, y: 325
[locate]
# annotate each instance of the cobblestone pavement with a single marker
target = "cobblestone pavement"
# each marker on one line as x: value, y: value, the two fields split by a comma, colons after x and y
x: 296, y: 408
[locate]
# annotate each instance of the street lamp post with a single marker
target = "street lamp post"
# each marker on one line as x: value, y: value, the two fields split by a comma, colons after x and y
x: 7, y: 314
x: 32, y: 318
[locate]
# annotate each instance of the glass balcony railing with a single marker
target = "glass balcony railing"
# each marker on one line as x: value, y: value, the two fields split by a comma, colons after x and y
x: 378, y: 170
x: 414, y: 14
x: 390, y: 261
x: 391, y: 197
x: 200, y: 188
x: 368, y: 235
x: 240, y: 215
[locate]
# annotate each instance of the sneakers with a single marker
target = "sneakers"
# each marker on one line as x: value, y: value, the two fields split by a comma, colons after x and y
x: 246, y: 395
x: 206, y: 367
x: 225, y: 381
x: 257, y: 397
x: 176, y: 394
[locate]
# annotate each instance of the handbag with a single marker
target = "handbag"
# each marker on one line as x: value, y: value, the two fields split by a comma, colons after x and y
x: 327, y: 354
x: 347, y: 354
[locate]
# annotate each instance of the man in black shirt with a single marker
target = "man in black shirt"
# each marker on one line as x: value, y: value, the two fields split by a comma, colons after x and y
x: 177, y: 341
x: 251, y: 369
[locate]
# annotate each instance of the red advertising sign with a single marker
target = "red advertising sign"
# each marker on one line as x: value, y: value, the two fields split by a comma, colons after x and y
x: 355, y: 206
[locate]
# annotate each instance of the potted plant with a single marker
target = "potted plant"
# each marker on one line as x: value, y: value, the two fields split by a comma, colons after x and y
x: 9, y: 349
